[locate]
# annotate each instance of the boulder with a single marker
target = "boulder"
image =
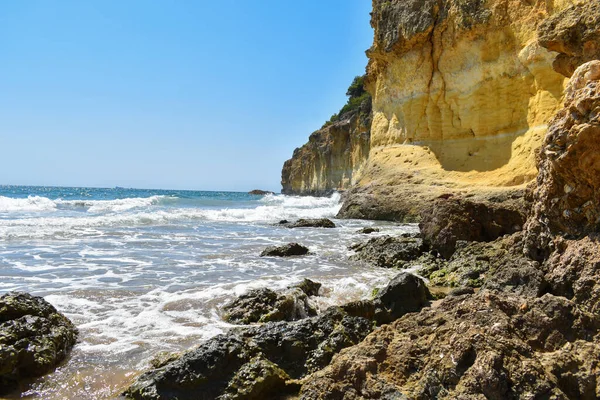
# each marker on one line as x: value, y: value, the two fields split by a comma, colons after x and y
x: 311, y: 223
x: 478, y: 346
x: 311, y: 288
x: 368, y: 230
x: 253, y: 363
x: 388, y: 251
x: 574, y: 34
x: 34, y: 338
x: 451, y: 219
x: 286, y: 250
x: 404, y: 294
x: 264, y: 305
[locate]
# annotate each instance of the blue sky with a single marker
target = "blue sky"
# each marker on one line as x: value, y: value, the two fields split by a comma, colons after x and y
x: 211, y: 95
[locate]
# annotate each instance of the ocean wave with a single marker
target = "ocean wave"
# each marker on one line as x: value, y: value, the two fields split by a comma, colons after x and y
x: 31, y: 203
x: 142, y: 212
x: 42, y: 204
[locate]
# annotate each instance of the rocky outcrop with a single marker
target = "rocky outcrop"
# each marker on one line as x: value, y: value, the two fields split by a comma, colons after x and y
x: 266, y: 305
x: 332, y: 158
x: 388, y: 251
x: 34, y: 338
x: 575, y: 34
x: 469, y: 347
x: 449, y: 220
x: 253, y: 363
x: 567, y: 195
x: 258, y: 192
x: 286, y: 250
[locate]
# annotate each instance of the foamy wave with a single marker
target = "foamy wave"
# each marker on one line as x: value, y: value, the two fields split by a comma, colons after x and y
x: 31, y: 203
x: 118, y: 205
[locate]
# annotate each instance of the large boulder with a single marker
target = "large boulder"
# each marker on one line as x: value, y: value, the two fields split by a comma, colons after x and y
x: 482, y: 346
x: 265, y: 305
x: 574, y: 34
x: 567, y: 195
x: 451, y: 219
x: 286, y: 250
x: 253, y: 363
x: 388, y: 251
x: 34, y: 338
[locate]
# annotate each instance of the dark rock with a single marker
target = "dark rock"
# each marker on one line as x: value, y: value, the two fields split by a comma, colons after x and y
x: 367, y: 230
x: 287, y: 250
x: 450, y: 220
x: 283, y: 222
x: 575, y: 34
x: 387, y: 251
x: 461, y: 291
x: 259, y: 192
x: 311, y: 288
x: 312, y: 223
x: 253, y: 362
x: 486, y: 345
x: 264, y: 305
x: 34, y: 338
x: 405, y: 293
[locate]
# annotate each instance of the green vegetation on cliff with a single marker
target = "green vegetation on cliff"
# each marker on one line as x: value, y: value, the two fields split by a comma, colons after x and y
x: 357, y: 95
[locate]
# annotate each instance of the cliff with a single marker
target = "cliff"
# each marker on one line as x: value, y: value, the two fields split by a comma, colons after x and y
x: 333, y: 156
x: 462, y: 95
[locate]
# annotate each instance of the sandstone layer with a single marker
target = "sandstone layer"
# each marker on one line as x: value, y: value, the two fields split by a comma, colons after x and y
x: 332, y: 158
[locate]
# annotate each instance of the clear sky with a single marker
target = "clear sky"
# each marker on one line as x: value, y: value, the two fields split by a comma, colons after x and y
x: 211, y: 95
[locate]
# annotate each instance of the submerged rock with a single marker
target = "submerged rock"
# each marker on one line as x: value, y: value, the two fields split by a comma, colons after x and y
x: 255, y: 362
x: 311, y: 223
x: 259, y: 192
x: 34, y: 338
x: 487, y: 345
x: 367, y: 230
x: 286, y: 250
x: 388, y: 251
x: 265, y: 305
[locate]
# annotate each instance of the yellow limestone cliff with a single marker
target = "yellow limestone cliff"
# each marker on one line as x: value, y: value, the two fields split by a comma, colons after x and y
x: 462, y: 95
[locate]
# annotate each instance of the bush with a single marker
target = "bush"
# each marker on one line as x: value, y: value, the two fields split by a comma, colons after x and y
x: 356, y: 96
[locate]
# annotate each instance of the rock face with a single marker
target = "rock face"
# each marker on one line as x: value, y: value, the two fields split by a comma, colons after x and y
x: 332, y: 158
x: 575, y: 34
x: 567, y: 196
x: 34, y: 338
x: 470, y: 347
x: 265, y: 305
x: 287, y: 250
x: 258, y: 192
x: 449, y: 220
x: 253, y: 363
x: 462, y: 95
x: 388, y: 252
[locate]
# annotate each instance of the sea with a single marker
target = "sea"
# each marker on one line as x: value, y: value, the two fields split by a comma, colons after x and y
x: 146, y: 272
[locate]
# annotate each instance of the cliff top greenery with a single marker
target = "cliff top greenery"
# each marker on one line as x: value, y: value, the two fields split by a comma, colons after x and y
x: 356, y: 96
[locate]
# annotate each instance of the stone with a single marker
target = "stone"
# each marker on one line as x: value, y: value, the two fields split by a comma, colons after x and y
x: 367, y: 230
x: 450, y: 220
x: 253, y: 363
x: 405, y: 293
x: 388, y: 251
x: 286, y: 250
x: 34, y: 338
x: 312, y: 223
x: 264, y: 305
x: 311, y: 288
x: 484, y: 345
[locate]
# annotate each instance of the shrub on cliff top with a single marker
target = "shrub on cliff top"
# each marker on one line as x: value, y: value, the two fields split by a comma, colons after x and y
x: 356, y: 96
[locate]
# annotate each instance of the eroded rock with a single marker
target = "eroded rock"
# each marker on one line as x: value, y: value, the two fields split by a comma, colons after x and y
x: 34, y: 338
x: 487, y: 345
x: 311, y: 223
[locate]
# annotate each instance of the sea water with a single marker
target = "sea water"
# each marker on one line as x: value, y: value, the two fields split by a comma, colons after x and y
x: 143, y: 272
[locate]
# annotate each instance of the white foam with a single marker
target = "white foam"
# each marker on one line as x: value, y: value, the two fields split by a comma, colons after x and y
x: 31, y: 203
